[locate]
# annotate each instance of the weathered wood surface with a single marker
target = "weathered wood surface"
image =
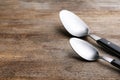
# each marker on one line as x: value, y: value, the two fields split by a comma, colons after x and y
x: 34, y: 44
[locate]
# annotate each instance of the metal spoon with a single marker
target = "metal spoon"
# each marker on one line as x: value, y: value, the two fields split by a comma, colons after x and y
x: 89, y: 52
x: 76, y: 27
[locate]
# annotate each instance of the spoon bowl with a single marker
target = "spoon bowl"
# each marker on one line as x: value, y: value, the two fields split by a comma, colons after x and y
x: 84, y: 49
x: 74, y: 25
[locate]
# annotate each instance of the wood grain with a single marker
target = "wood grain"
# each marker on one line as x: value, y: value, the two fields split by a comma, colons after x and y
x: 35, y: 46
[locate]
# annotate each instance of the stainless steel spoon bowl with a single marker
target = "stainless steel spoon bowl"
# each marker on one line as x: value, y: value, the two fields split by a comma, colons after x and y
x: 73, y: 24
x: 89, y: 52
x: 84, y: 49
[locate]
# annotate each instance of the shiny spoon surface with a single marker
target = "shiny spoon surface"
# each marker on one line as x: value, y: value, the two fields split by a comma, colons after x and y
x: 89, y: 52
x: 76, y: 27
x: 73, y: 24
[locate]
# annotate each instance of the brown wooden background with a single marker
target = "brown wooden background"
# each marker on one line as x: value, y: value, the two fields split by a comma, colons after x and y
x: 34, y: 44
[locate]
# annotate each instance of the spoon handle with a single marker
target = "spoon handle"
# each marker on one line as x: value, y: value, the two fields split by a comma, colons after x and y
x: 116, y: 63
x: 109, y: 46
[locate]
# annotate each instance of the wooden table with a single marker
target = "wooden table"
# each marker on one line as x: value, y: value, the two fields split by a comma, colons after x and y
x: 35, y: 46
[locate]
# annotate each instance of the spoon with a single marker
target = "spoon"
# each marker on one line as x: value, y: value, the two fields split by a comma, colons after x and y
x: 89, y: 52
x: 76, y: 27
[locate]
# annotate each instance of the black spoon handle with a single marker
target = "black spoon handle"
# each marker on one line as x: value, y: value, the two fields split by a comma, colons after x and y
x: 109, y: 46
x: 116, y: 63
